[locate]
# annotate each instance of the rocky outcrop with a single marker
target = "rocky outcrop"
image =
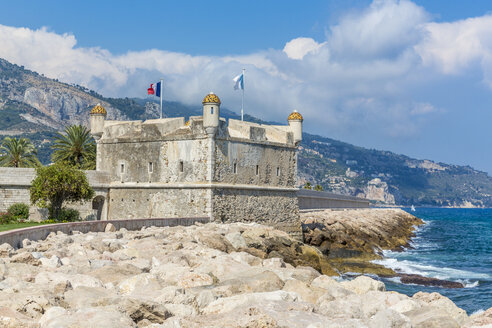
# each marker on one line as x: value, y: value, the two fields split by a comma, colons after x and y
x: 351, y: 239
x: 211, y: 275
x: 51, y: 104
x: 378, y: 191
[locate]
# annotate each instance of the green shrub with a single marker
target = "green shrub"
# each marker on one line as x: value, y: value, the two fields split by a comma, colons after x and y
x: 6, y: 218
x: 19, y: 212
x: 69, y: 215
x: 57, y: 184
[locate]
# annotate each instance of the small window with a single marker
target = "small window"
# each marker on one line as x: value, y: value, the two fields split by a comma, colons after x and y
x: 278, y: 171
x: 151, y: 167
x: 235, y: 168
x: 181, y: 166
x: 257, y: 169
x: 211, y: 110
x: 122, y: 168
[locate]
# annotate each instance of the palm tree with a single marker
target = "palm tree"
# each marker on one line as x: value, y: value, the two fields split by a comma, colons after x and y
x: 18, y: 153
x: 75, y: 147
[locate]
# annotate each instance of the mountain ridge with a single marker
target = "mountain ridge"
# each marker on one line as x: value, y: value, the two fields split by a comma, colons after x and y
x: 37, y: 107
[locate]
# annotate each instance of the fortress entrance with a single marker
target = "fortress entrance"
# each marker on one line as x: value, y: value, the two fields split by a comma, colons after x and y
x: 97, y: 206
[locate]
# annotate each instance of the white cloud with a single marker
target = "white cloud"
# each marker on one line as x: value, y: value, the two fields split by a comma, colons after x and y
x: 383, y: 30
x: 452, y: 48
x: 361, y: 78
x: 300, y: 47
x: 423, y: 109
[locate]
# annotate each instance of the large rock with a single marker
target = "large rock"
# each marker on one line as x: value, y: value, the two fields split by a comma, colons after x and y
x: 341, y: 309
x: 114, y: 273
x: 307, y: 293
x: 431, y: 317
x: 228, y: 304
x: 325, y: 282
x: 147, y: 311
x: 10, y: 318
x: 25, y: 258
x: 375, y: 301
x: 236, y: 239
x: 83, y: 297
x: 265, y: 281
x: 443, y: 303
x: 53, y: 262
x: 3, y: 270
x: 75, y: 280
x: 57, y: 317
x: 144, y: 286
x: 481, y: 319
x: 363, y: 284
x: 6, y: 250
x: 389, y: 319
x: 194, y: 279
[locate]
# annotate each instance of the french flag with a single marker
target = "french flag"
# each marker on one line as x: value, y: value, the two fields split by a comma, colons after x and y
x: 155, y: 89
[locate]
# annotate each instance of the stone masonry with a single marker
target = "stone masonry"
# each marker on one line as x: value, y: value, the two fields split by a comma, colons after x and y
x: 205, y: 167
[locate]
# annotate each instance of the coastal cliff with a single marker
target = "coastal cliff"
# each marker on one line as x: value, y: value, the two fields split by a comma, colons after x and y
x: 212, y: 275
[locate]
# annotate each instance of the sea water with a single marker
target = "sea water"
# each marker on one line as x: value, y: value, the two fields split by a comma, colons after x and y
x: 454, y: 244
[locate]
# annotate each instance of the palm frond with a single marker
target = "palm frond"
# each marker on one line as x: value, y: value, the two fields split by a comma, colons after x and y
x: 18, y: 153
x: 75, y: 146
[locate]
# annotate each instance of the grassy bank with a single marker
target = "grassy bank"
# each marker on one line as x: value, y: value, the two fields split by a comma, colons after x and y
x: 12, y: 226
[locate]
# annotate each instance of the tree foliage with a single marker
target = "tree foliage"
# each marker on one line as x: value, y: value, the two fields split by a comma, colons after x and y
x: 57, y: 184
x: 318, y: 188
x: 75, y: 147
x: 18, y: 153
x: 308, y: 186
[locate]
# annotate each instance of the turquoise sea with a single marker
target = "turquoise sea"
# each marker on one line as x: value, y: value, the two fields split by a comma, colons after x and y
x: 454, y: 244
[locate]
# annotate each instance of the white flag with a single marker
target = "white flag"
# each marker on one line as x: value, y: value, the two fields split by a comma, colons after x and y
x: 239, y: 82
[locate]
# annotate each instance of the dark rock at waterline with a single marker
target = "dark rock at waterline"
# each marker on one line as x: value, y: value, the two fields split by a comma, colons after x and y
x: 426, y: 281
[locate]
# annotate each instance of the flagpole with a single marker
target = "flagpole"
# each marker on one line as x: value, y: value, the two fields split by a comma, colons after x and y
x: 242, y: 101
x: 162, y: 84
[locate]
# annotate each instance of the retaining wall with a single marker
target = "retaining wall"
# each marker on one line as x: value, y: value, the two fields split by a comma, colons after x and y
x: 312, y: 200
x: 15, y: 237
x: 15, y: 184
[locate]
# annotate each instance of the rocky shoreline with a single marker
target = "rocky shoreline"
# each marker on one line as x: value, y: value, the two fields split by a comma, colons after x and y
x: 212, y: 275
x: 352, y: 238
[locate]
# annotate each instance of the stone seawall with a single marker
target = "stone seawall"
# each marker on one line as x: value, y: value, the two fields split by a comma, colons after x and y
x: 318, y: 200
x: 15, y: 237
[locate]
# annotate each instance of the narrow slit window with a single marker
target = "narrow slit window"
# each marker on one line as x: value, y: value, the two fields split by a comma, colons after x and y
x: 211, y: 110
x: 235, y: 168
x: 278, y: 171
x: 122, y: 168
x: 181, y: 166
x: 257, y: 169
x: 151, y: 167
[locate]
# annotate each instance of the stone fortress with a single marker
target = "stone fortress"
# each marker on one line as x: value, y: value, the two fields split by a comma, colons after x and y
x: 203, y: 168
x: 206, y: 167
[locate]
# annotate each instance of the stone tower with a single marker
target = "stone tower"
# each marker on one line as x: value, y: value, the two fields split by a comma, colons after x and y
x: 295, y: 123
x: 97, y: 117
x: 211, y: 112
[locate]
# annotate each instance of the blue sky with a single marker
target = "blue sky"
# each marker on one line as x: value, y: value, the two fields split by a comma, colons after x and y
x: 410, y: 77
